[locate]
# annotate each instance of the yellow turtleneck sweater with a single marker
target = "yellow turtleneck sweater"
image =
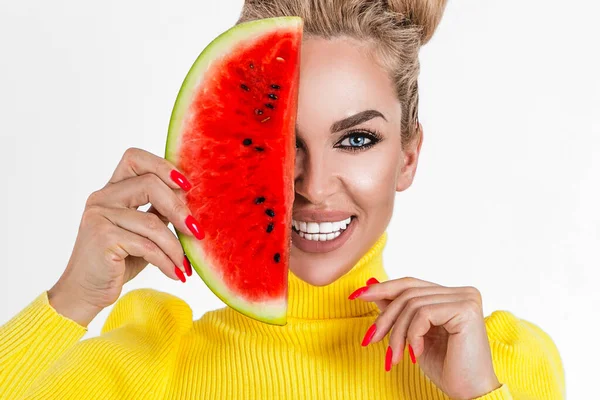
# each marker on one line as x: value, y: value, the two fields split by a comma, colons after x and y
x: 150, y: 348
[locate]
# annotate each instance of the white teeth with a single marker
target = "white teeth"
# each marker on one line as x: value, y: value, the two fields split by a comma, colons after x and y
x: 319, y: 237
x: 312, y: 227
x: 325, y: 227
x: 317, y: 228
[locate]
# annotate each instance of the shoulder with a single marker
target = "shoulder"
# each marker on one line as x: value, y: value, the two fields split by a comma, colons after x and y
x: 133, y: 357
x: 523, y: 353
x: 506, y: 328
x: 154, y: 311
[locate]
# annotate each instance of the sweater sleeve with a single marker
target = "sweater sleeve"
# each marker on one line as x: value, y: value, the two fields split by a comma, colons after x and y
x: 30, y: 342
x: 525, y: 358
x: 133, y: 357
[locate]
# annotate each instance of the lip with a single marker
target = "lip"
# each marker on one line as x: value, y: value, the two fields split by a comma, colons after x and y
x: 321, y: 216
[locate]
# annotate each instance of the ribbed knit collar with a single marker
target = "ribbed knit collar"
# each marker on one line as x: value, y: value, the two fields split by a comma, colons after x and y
x: 306, y: 301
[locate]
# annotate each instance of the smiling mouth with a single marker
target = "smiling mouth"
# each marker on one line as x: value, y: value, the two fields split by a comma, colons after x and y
x: 330, y: 234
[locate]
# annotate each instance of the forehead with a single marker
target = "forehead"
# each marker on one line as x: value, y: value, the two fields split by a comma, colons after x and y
x: 338, y: 78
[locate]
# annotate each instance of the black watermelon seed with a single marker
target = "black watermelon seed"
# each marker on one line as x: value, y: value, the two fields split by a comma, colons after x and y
x: 258, y: 111
x: 269, y: 105
x: 246, y: 88
x: 276, y: 257
x: 272, y: 96
x: 270, y: 212
x: 247, y: 142
x: 259, y: 200
x: 276, y: 86
x: 251, y: 65
x: 259, y: 148
x: 270, y: 228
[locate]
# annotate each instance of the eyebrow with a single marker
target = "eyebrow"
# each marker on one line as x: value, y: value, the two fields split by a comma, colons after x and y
x: 355, y: 119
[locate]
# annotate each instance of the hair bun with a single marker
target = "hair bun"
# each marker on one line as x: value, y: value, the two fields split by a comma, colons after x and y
x: 423, y: 13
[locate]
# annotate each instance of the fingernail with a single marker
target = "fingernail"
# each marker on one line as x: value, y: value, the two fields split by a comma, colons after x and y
x: 357, y: 292
x: 193, y: 225
x: 412, y: 354
x: 179, y: 179
x: 179, y: 274
x: 372, y: 281
x: 388, y: 359
x: 187, y: 265
x: 369, y: 335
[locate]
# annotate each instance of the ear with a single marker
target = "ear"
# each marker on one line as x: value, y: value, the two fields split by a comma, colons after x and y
x: 408, y: 167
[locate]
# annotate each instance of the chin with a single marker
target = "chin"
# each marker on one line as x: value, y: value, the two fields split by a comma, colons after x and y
x: 317, y: 274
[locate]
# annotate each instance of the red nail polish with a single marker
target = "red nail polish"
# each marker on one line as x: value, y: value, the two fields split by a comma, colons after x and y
x: 372, y: 281
x: 179, y: 274
x: 369, y: 335
x: 192, y: 224
x: 357, y: 292
x: 388, y: 359
x: 412, y: 354
x: 187, y: 266
x: 179, y: 179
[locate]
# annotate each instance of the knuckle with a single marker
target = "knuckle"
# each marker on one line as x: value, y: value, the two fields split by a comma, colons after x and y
x: 90, y: 215
x: 94, y: 198
x: 148, y: 246
x: 412, y: 303
x: 151, y: 180
x: 475, y: 294
x: 423, y: 312
x: 180, y: 209
x: 130, y: 154
x: 152, y: 222
x: 410, y: 280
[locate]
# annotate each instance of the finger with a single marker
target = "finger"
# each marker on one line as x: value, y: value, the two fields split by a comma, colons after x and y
x: 399, y: 331
x: 137, y: 162
x: 150, y: 226
x: 381, y: 304
x: 408, y: 301
x: 154, y: 211
x: 391, y: 289
x: 125, y: 243
x: 451, y: 316
x: 141, y: 190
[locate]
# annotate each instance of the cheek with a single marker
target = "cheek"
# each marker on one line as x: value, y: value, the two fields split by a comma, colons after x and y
x: 371, y: 179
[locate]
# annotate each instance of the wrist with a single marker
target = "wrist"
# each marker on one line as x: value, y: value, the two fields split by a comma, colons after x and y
x: 70, y: 306
x: 488, y: 387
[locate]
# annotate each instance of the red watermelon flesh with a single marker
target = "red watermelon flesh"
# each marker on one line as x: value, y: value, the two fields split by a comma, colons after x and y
x: 232, y: 134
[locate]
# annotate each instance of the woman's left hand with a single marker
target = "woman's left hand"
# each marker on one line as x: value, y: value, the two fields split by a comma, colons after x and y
x: 444, y: 326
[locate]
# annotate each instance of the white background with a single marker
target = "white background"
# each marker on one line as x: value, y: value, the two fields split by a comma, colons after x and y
x: 506, y: 194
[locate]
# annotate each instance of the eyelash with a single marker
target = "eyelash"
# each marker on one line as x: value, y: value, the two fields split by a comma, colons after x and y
x: 374, y: 137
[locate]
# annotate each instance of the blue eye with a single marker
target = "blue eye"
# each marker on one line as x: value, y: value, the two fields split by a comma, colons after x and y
x: 358, y: 141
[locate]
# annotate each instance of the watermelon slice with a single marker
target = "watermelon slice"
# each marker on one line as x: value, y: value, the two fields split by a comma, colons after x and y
x: 232, y: 133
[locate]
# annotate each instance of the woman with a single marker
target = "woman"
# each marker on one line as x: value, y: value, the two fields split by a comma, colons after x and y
x: 351, y: 332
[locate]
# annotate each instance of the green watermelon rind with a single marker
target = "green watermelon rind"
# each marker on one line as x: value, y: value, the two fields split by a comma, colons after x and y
x: 273, y: 312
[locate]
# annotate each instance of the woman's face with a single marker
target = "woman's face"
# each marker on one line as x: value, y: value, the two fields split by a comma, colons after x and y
x: 349, y: 159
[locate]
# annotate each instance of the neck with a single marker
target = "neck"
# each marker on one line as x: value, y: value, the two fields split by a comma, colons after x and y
x: 306, y: 301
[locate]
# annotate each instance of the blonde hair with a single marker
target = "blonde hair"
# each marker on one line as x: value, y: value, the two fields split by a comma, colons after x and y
x: 396, y: 28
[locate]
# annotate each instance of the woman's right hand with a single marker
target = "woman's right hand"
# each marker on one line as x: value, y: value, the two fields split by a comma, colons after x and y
x: 116, y: 241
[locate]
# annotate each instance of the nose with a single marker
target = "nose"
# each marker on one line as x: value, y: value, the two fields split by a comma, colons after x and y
x: 314, y: 177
